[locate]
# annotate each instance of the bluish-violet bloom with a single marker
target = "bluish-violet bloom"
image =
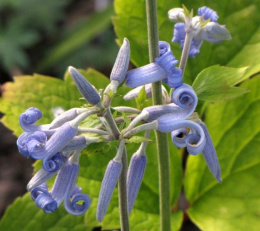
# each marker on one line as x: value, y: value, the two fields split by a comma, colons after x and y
x: 107, y: 187
x: 199, y: 28
x: 178, y: 137
x: 43, y: 176
x: 210, y: 155
x: 162, y: 69
x: 195, y: 141
x: 134, y: 178
x: 64, y: 189
x: 86, y: 89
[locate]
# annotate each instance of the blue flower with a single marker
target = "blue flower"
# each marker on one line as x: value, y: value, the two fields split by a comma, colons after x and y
x: 64, y: 189
x: 200, y: 29
x: 163, y: 68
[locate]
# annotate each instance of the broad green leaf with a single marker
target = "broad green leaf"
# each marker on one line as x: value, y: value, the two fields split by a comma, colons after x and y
x: 216, y: 83
x: 233, y: 204
x: 240, y: 17
x: 24, y: 215
x: 47, y: 93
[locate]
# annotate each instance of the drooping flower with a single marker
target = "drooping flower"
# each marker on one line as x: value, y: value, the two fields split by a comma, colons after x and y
x: 64, y: 189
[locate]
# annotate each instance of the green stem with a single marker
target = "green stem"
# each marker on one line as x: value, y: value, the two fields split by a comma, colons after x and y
x: 161, y: 138
x: 185, y: 51
x: 122, y: 191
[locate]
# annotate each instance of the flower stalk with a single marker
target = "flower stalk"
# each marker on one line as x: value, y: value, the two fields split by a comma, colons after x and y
x: 161, y: 139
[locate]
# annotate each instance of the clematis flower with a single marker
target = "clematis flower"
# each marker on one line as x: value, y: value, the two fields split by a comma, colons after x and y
x: 64, y: 189
x: 202, y: 27
x: 163, y: 68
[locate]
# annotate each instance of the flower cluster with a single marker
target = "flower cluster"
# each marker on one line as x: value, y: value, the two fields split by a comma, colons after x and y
x: 59, y: 144
x: 201, y: 27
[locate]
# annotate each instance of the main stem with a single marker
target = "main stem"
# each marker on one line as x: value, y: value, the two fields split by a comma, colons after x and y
x: 161, y: 138
x: 122, y: 191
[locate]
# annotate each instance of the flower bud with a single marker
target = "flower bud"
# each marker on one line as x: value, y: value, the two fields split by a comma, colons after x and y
x: 121, y: 64
x: 84, y: 87
x: 134, y: 178
x: 107, y: 187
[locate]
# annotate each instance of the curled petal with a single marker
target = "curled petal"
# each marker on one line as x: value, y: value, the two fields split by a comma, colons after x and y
x: 22, y: 144
x: 55, y: 163
x: 167, y: 61
x: 194, y: 144
x: 36, y: 142
x: 46, y: 202
x: 185, y: 97
x: 168, y: 123
x: 134, y: 178
x: 38, y: 190
x: 43, y: 176
x: 178, y: 137
x: 164, y: 47
x: 143, y: 75
x: 56, y: 143
x: 210, y: 155
x: 73, y: 207
x: 121, y: 64
x: 85, y: 88
x: 29, y: 117
x: 107, y: 188
x: 208, y: 13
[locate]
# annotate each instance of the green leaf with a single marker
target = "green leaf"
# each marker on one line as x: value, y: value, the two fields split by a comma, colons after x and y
x: 216, y: 83
x: 140, y: 99
x: 24, y: 215
x: 241, y: 19
x: 235, y: 131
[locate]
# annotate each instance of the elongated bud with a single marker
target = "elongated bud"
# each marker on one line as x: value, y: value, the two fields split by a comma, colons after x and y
x: 121, y: 64
x: 84, y: 87
x: 134, y: 178
x: 107, y: 187
x: 210, y: 155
